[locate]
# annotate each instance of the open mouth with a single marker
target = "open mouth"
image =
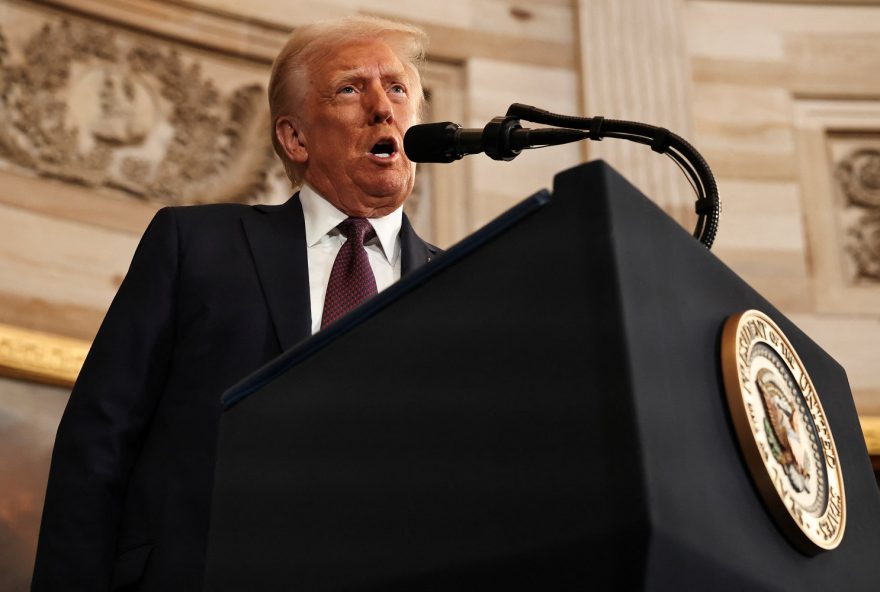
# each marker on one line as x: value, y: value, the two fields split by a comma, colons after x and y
x: 385, y: 148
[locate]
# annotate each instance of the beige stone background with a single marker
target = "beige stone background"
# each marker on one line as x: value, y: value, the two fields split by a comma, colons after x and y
x: 110, y: 109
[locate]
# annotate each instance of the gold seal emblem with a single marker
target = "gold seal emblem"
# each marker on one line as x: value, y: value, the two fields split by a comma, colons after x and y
x: 783, y: 432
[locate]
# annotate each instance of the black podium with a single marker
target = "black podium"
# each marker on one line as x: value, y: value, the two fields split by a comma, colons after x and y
x: 539, y: 408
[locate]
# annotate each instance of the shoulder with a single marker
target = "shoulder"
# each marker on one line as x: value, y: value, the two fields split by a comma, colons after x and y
x: 204, y: 217
x: 208, y: 212
x: 200, y: 230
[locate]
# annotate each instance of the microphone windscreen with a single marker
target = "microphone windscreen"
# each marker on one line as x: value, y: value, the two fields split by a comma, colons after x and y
x: 431, y: 142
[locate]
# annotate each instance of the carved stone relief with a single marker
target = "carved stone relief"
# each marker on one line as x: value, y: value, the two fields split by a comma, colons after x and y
x: 857, y: 175
x: 838, y: 144
x: 96, y: 106
x: 91, y: 105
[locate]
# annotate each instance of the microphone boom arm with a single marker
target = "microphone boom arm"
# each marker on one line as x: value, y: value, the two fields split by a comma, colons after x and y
x: 661, y: 140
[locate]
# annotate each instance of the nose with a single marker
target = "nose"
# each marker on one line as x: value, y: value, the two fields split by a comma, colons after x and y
x: 379, y: 105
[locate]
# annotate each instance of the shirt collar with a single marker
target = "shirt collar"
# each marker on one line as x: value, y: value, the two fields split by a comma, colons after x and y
x: 321, y: 217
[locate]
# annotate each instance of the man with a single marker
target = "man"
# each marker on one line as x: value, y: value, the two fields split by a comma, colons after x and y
x: 213, y: 293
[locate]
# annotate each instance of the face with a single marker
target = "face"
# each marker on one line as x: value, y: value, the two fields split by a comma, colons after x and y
x: 349, y: 132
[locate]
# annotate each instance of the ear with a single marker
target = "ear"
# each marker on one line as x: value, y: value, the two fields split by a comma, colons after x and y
x: 291, y: 138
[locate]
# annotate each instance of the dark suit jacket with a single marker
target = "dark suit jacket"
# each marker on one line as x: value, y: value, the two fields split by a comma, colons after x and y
x: 213, y: 292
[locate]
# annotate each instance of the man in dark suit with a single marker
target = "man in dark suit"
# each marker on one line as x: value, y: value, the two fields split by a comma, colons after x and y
x: 213, y: 293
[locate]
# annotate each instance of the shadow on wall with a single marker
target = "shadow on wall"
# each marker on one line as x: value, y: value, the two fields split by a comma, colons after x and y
x: 29, y: 416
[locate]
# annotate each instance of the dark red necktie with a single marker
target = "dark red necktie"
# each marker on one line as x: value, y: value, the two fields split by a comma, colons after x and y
x: 351, y: 279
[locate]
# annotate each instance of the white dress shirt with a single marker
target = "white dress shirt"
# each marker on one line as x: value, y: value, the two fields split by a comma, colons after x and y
x: 323, y: 241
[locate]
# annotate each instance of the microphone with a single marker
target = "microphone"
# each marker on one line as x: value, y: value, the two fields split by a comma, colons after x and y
x: 503, y: 138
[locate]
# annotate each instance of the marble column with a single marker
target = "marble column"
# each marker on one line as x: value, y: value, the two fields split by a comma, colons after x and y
x: 634, y: 66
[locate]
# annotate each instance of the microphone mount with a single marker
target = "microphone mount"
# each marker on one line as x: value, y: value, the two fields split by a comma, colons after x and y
x: 497, y: 138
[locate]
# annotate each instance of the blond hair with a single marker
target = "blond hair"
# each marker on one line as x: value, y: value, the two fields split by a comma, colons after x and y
x: 289, y: 80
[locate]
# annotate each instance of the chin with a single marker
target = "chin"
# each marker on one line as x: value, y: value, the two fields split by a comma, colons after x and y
x: 388, y: 203
x: 388, y: 193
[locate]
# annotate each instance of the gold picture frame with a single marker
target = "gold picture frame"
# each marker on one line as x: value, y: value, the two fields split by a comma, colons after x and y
x: 40, y: 357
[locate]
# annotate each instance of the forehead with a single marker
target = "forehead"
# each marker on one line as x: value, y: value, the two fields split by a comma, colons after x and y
x: 372, y: 58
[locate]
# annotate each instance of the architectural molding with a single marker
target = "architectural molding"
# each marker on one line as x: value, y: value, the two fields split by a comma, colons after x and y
x: 259, y: 39
x: 216, y: 31
x: 841, y: 200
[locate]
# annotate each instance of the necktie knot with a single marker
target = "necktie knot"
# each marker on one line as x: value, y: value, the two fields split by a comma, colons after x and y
x: 358, y: 229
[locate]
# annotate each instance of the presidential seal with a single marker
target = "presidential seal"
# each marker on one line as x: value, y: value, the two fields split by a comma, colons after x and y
x: 783, y: 432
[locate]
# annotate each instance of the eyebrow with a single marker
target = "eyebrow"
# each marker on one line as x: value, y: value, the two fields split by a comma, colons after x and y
x: 392, y: 73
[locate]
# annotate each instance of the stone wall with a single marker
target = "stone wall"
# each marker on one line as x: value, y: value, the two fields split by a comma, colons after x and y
x: 784, y: 104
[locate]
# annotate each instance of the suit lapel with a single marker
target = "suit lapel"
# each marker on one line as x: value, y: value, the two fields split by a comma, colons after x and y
x: 414, y: 252
x: 277, y: 239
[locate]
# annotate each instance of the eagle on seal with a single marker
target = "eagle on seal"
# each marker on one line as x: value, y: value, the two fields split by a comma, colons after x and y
x: 785, y: 430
